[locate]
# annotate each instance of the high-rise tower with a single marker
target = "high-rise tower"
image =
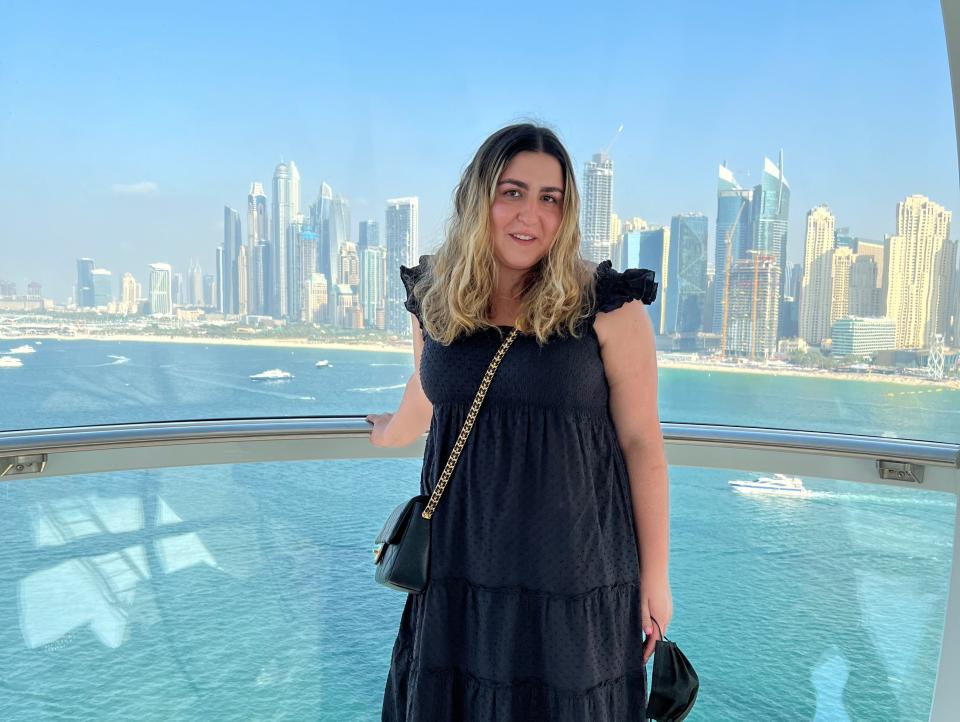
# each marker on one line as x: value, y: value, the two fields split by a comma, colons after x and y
x: 403, y: 247
x: 597, y: 207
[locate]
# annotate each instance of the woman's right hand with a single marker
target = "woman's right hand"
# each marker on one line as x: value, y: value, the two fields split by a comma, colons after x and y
x: 378, y: 437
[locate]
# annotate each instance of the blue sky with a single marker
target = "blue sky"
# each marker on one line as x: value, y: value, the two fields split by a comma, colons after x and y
x: 389, y: 99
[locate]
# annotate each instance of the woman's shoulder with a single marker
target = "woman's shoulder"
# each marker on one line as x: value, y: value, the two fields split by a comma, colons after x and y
x: 410, y: 275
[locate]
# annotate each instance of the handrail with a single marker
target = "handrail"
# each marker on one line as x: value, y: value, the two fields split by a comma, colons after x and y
x: 131, y: 436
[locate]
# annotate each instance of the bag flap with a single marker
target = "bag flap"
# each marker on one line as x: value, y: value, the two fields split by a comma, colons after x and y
x: 395, y: 523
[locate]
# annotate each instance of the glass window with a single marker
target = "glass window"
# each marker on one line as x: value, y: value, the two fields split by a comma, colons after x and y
x: 207, y: 203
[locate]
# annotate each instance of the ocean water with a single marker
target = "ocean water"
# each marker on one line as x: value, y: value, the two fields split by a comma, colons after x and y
x: 246, y: 592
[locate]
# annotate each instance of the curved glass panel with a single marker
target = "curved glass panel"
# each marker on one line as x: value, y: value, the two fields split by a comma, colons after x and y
x: 193, y: 227
x: 247, y: 592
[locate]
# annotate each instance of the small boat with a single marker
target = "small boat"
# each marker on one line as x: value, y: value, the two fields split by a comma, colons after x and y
x: 779, y: 484
x: 323, y: 363
x: 10, y: 362
x: 26, y: 348
x: 272, y: 375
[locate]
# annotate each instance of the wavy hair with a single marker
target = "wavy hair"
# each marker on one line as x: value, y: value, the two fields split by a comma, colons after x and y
x: 454, y: 291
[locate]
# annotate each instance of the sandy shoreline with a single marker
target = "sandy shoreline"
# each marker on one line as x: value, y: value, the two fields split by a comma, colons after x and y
x: 809, y: 373
x: 406, y: 349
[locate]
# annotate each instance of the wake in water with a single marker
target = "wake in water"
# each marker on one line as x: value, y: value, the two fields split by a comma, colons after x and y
x: 911, y: 499
x: 376, y: 389
x: 248, y: 389
x: 117, y: 361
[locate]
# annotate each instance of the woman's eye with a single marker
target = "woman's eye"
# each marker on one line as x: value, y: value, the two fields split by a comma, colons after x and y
x: 550, y: 199
x: 512, y: 190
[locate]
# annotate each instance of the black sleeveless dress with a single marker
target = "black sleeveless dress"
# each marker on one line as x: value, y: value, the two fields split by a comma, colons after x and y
x: 532, y: 610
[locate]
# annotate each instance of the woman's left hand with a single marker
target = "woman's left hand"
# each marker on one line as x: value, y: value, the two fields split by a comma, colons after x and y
x: 658, y: 603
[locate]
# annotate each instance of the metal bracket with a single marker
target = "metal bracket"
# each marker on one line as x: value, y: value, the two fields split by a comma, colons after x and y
x: 14, y: 465
x: 900, y: 471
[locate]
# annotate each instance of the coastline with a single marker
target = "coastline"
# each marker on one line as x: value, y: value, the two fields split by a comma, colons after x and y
x: 407, y: 348
x: 952, y: 384
x: 261, y: 342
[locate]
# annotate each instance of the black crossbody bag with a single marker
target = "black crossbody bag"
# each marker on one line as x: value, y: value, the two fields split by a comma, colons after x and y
x: 402, y: 551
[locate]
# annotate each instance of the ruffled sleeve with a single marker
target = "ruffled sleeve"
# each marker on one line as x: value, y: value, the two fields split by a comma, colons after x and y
x: 410, y: 276
x: 615, y: 288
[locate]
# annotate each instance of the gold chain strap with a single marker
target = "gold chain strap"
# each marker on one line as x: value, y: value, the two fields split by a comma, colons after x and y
x: 467, y: 425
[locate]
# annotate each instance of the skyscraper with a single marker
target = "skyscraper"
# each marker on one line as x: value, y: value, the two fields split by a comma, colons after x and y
x: 373, y: 283
x: 209, y: 291
x: 597, y: 207
x: 369, y: 235
x: 161, y: 302
x: 754, y: 298
x: 771, y: 210
x: 914, y: 272
x: 307, y: 262
x: 286, y: 207
x: 840, y: 290
x: 320, y: 221
x: 866, y: 297
x: 102, y: 287
x: 260, y: 294
x: 734, y: 230
x: 84, y: 291
x: 650, y: 248
x: 257, y: 221
x: 129, y: 301
x: 816, y: 288
x: 403, y: 247
x: 339, y: 233
x: 195, y: 284
x: 243, y: 289
x: 687, y: 274
x: 259, y: 251
x: 220, y: 301
x: 232, y: 243
x: 177, y: 289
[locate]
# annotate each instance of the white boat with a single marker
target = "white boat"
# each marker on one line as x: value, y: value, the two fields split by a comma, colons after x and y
x: 779, y: 484
x: 323, y: 363
x: 10, y: 362
x: 272, y: 375
x: 26, y: 348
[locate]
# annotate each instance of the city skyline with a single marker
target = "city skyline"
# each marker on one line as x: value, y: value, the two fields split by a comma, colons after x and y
x: 148, y: 159
x: 843, y: 285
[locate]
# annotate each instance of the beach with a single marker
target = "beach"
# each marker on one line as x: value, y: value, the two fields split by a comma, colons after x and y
x: 406, y: 347
x: 710, y: 366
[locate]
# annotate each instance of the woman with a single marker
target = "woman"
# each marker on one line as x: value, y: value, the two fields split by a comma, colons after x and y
x: 549, y: 546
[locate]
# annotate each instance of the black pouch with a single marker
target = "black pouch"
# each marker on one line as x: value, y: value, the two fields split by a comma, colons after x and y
x: 674, y: 686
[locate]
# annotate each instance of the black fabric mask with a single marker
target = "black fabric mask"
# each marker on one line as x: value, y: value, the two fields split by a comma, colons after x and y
x: 674, y: 686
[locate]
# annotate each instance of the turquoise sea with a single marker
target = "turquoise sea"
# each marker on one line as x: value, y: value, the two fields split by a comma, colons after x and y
x: 246, y: 592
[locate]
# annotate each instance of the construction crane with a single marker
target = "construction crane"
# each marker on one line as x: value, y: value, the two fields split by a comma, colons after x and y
x: 613, y: 140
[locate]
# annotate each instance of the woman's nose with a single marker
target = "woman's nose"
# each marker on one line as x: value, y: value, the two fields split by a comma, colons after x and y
x: 526, y: 213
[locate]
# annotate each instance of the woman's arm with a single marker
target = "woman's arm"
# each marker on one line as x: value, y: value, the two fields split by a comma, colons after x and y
x: 412, y: 419
x: 630, y: 363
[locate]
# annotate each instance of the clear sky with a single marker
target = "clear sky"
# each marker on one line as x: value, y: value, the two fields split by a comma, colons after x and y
x: 124, y: 130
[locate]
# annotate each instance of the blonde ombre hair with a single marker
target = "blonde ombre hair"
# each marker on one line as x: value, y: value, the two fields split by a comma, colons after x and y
x: 454, y: 292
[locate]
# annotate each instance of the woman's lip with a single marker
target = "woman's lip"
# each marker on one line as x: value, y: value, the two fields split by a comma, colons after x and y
x: 523, y: 240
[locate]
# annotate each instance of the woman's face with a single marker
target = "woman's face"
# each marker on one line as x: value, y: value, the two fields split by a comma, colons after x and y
x: 527, y: 209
